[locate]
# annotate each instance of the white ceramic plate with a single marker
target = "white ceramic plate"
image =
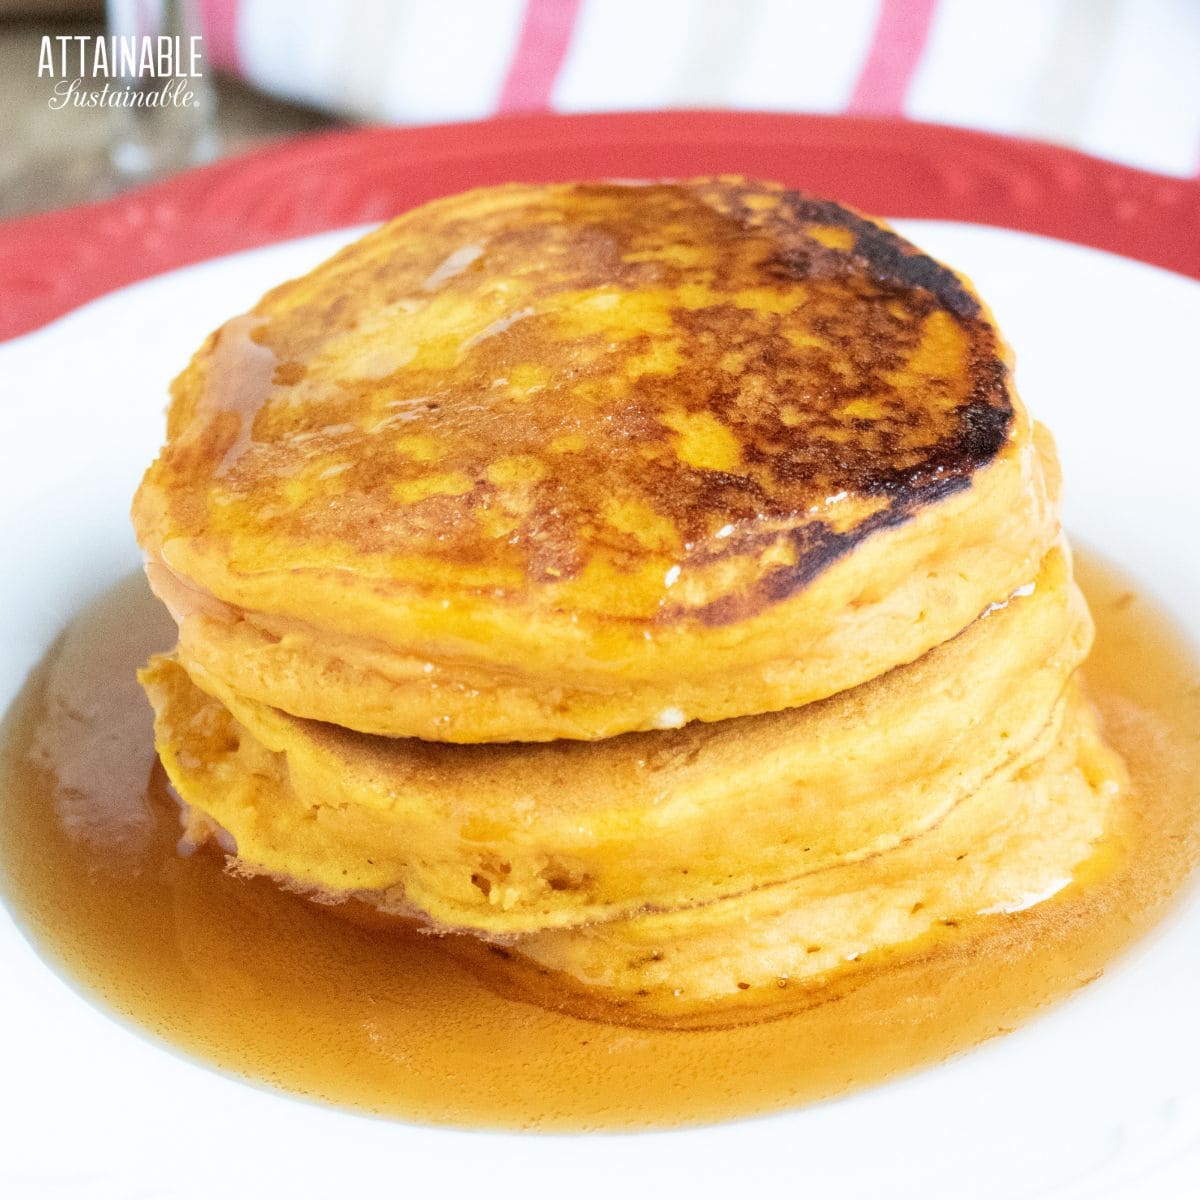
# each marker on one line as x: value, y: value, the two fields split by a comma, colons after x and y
x: 1100, y: 1097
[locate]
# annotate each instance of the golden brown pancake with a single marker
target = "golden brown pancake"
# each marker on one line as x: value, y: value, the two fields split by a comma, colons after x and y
x: 1023, y: 836
x: 521, y: 837
x: 567, y: 461
x: 658, y: 589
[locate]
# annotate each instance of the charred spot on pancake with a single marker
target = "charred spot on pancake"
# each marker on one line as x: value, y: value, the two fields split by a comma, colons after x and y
x: 888, y: 258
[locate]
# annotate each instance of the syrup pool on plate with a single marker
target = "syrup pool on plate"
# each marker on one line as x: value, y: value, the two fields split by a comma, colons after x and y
x: 266, y: 985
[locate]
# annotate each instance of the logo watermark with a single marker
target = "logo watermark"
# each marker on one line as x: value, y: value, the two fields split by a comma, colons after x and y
x: 113, y: 71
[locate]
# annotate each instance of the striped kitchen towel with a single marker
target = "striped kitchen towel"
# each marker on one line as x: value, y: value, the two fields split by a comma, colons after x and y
x: 1118, y: 78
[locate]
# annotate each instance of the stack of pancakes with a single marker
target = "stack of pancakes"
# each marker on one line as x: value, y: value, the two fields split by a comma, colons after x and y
x: 659, y: 586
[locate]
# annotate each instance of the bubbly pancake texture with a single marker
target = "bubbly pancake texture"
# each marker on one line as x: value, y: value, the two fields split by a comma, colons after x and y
x: 567, y: 461
x: 515, y: 838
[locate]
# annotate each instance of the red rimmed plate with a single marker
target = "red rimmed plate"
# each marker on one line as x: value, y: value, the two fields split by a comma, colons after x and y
x: 52, y: 263
x: 1099, y: 1097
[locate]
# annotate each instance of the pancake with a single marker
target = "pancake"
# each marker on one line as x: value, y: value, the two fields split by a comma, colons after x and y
x: 567, y: 461
x: 1025, y: 835
x: 522, y: 837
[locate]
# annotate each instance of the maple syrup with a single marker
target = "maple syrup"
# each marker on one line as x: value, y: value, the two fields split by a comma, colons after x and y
x: 262, y: 983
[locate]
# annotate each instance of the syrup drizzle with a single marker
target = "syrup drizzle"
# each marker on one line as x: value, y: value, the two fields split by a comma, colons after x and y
x: 266, y: 985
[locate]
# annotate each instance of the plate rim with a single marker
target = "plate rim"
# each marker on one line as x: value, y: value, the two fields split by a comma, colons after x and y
x: 547, y: 1157
x: 52, y: 262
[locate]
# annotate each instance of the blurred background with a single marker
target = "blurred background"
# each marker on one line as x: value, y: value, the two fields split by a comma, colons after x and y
x: 1117, y: 78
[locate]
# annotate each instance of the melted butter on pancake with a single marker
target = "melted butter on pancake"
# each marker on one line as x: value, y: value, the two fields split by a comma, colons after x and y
x: 240, y: 379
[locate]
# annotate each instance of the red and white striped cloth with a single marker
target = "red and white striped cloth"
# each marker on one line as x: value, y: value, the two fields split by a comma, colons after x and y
x: 1117, y: 78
